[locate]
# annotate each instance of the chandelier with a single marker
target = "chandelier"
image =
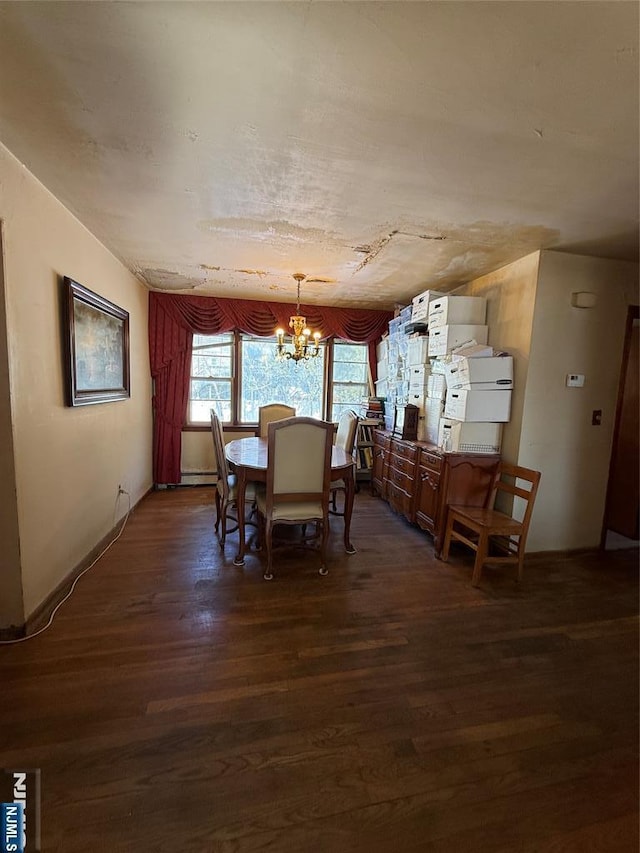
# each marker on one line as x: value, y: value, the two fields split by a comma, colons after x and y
x: 300, y: 335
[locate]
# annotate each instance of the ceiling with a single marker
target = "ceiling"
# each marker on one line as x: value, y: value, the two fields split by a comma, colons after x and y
x: 217, y: 148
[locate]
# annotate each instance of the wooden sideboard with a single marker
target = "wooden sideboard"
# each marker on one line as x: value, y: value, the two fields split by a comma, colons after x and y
x: 419, y: 480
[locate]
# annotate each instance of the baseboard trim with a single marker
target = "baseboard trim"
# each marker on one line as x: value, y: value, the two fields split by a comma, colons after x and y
x: 13, y: 632
x: 562, y: 553
x: 42, y: 613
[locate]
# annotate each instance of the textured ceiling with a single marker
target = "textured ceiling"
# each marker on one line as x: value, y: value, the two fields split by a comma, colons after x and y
x: 384, y: 147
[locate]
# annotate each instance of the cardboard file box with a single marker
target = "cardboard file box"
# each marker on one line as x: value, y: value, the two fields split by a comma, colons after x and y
x: 457, y: 310
x: 429, y: 423
x: 427, y: 432
x: 464, y: 405
x: 445, y: 338
x: 382, y: 387
x: 418, y: 374
x: 417, y: 351
x: 417, y: 397
x: 405, y: 314
x: 461, y: 437
x: 436, y: 386
x: 480, y: 374
x: 420, y: 304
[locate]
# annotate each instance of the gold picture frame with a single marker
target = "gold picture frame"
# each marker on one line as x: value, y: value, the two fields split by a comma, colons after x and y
x: 97, y: 347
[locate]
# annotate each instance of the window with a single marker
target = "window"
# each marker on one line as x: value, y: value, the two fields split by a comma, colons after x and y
x: 211, y: 378
x: 235, y: 374
x: 266, y: 379
x: 349, y: 377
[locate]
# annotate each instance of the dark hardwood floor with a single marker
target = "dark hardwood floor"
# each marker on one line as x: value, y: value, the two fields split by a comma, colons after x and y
x: 180, y: 703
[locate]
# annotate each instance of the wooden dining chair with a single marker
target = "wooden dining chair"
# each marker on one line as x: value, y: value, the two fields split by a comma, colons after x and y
x: 273, y: 412
x: 345, y: 438
x: 226, y: 486
x: 297, y: 487
x: 495, y: 536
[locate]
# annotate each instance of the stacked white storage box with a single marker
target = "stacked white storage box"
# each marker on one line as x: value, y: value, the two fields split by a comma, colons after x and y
x: 382, y: 357
x: 462, y: 391
x: 434, y: 405
x: 472, y: 421
x: 419, y: 372
x: 397, y: 357
x: 420, y: 305
x: 454, y: 320
x: 422, y: 390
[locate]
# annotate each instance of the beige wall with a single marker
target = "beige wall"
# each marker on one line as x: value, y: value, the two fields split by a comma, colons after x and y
x: 68, y: 461
x: 11, y: 605
x: 510, y: 293
x: 529, y: 314
x: 197, y: 454
x: 557, y: 437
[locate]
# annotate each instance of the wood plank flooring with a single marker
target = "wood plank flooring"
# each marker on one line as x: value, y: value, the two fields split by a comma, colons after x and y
x: 181, y: 703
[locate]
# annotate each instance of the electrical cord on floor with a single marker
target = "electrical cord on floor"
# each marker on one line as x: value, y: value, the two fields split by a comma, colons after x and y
x: 83, y: 572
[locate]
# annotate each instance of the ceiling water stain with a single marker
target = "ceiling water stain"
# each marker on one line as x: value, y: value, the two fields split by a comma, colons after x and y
x: 162, y: 279
x: 266, y: 230
x: 374, y: 250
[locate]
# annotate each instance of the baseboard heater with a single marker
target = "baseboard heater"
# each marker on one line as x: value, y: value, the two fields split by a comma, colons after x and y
x: 198, y: 478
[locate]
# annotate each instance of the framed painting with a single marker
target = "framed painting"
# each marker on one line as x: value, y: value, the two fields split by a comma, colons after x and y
x: 97, y: 335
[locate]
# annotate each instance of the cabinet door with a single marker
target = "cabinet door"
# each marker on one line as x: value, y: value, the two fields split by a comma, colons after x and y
x: 428, y: 499
x: 469, y: 477
x: 380, y: 463
x: 400, y: 500
x: 466, y: 480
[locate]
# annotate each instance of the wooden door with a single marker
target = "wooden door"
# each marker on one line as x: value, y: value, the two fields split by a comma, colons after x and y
x: 623, y: 496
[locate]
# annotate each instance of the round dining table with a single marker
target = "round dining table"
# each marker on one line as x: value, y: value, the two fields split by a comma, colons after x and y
x: 249, y: 457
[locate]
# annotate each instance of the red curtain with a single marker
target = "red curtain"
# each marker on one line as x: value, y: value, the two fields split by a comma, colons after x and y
x: 174, y: 318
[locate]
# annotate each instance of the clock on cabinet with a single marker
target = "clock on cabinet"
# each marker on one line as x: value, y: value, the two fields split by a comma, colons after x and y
x: 405, y: 422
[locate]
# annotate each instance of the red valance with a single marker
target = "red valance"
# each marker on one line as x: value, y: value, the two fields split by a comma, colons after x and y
x: 173, y: 319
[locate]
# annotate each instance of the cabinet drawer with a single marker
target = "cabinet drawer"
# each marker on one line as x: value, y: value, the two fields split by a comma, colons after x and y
x: 400, y: 479
x: 404, y: 450
x: 381, y: 440
x: 400, y: 463
x: 432, y: 461
x: 399, y: 499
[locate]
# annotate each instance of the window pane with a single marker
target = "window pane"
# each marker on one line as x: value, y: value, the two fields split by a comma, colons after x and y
x: 207, y: 395
x: 266, y: 379
x: 351, y: 352
x: 211, y: 372
x: 210, y: 365
x: 350, y: 377
x: 349, y: 394
x: 347, y: 371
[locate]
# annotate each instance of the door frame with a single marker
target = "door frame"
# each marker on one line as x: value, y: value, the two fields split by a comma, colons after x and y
x: 633, y: 313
